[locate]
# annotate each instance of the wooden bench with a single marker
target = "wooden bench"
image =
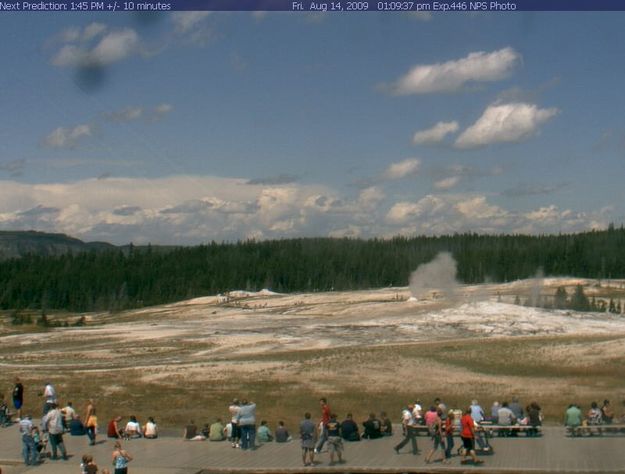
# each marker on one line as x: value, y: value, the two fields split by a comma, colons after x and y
x: 511, y: 430
x: 596, y: 430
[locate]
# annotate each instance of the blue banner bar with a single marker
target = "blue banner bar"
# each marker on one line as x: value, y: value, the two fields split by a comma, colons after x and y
x: 309, y: 5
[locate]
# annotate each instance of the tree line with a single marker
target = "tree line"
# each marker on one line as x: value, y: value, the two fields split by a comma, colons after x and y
x: 132, y: 277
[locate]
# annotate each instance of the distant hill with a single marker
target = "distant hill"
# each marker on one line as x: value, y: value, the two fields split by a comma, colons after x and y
x: 16, y: 244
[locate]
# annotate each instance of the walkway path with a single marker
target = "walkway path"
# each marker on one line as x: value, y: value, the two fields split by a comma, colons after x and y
x: 551, y: 453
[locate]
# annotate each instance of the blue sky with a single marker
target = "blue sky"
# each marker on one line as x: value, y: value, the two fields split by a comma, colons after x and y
x: 194, y: 126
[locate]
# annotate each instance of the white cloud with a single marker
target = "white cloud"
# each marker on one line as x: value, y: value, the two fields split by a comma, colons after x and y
x: 435, y: 134
x: 194, y: 209
x: 402, y: 169
x: 186, y: 21
x: 502, y: 123
x: 67, y: 137
x: 161, y: 110
x: 452, y: 75
x: 112, y: 47
x: 127, y: 114
x: 447, y: 183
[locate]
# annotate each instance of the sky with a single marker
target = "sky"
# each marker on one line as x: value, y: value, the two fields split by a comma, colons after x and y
x: 191, y: 127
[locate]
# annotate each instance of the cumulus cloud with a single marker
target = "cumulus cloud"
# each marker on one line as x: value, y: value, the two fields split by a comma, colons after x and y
x: 402, y: 169
x: 501, y: 123
x: 448, y: 213
x: 435, y: 134
x: 452, y: 75
x: 186, y: 21
x: 447, y: 183
x: 67, y: 137
x: 112, y: 47
x: 195, y: 209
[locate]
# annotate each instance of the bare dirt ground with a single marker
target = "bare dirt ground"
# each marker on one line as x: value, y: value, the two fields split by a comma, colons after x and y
x: 365, y: 350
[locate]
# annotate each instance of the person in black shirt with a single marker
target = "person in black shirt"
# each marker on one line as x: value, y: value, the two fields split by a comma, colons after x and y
x: 372, y: 427
x: 349, y: 429
x: 335, y: 442
x: 18, y: 397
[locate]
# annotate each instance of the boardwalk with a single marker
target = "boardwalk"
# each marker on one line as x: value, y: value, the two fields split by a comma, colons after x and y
x: 551, y: 453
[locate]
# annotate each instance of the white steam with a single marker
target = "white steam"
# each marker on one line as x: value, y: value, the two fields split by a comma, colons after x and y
x: 438, y: 275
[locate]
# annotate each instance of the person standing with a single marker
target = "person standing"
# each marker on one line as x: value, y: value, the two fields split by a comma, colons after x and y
x: 49, y: 393
x: 121, y: 458
x: 307, y: 435
x: 52, y: 422
x: 325, y: 417
x: 335, y: 441
x: 18, y: 397
x: 29, y: 450
x: 247, y: 422
x: 234, y: 409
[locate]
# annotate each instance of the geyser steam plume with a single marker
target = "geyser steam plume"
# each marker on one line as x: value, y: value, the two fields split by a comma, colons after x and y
x: 438, y: 274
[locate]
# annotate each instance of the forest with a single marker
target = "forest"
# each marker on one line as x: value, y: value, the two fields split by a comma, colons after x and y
x: 131, y: 277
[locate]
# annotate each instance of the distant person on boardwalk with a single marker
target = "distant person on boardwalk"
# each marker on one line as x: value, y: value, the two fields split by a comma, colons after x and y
x: 387, y: 424
x: 91, y: 422
x: 234, y: 409
x: 335, y: 441
x: 68, y: 414
x: 373, y: 427
x: 436, y: 434
x: 247, y: 422
x: 121, y: 458
x: 216, y: 431
x: 191, y: 433
x: 133, y: 428
x: 76, y: 427
x: 264, y: 434
x: 18, y: 397
x: 607, y: 414
x: 49, y: 395
x: 52, y: 423
x: 477, y: 413
x: 282, y: 434
x: 467, y: 434
x: 325, y: 417
x: 409, y: 424
x: 29, y: 450
x: 448, y: 429
x: 534, y: 418
x: 573, y: 419
x: 516, y: 408
x: 150, y: 429
x: 349, y: 429
x: 494, y: 412
x: 307, y: 434
x: 113, y: 430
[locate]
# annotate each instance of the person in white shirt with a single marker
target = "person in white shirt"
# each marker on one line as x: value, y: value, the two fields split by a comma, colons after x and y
x: 133, y: 428
x: 49, y: 393
x: 150, y: 430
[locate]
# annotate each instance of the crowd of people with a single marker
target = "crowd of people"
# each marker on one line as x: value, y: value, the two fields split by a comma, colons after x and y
x: 440, y: 423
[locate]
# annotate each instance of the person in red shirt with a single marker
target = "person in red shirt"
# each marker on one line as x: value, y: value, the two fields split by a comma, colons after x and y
x: 467, y: 433
x: 325, y: 418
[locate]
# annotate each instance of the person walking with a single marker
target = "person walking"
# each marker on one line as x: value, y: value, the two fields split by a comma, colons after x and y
x: 325, y: 417
x: 436, y: 433
x: 449, y: 435
x: 467, y: 434
x: 52, y: 423
x: 409, y: 423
